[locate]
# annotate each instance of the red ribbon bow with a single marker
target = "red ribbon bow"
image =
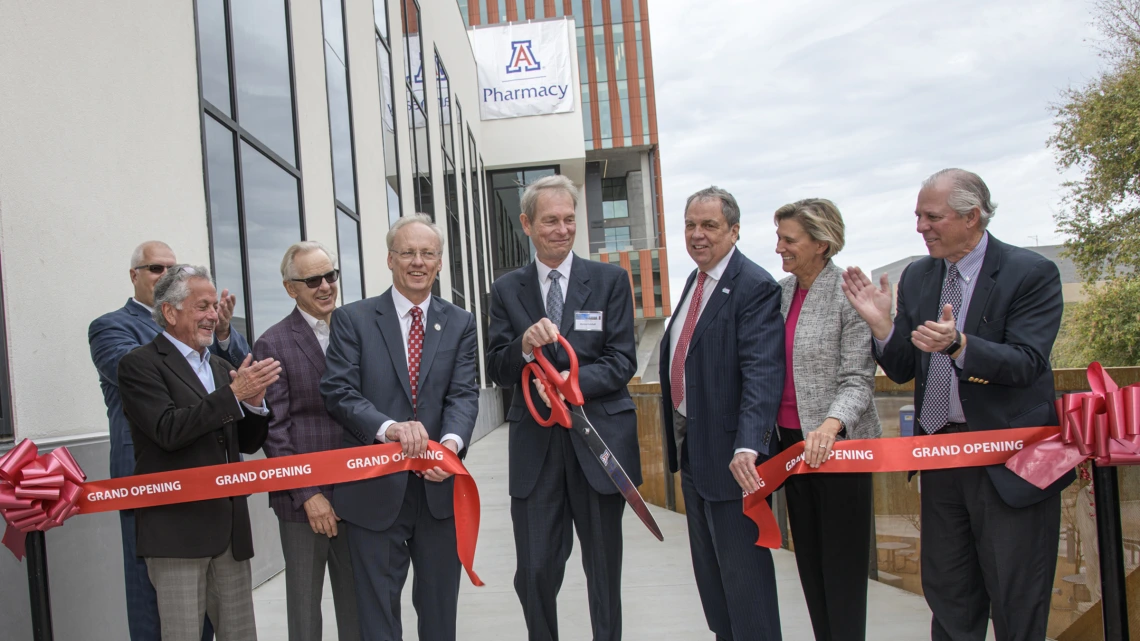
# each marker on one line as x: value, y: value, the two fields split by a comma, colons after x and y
x: 37, y: 492
x: 1102, y: 425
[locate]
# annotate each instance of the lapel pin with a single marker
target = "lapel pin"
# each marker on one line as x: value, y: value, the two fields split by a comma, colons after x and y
x: 725, y: 290
x: 437, y: 328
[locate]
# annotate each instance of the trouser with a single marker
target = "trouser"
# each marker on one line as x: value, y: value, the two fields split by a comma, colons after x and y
x: 563, y: 499
x: 307, y: 554
x: 830, y: 516
x: 187, y: 589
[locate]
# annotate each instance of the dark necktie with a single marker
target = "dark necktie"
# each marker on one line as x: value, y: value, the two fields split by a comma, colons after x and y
x: 677, y: 370
x: 415, y: 351
x: 554, y: 299
x: 936, y: 402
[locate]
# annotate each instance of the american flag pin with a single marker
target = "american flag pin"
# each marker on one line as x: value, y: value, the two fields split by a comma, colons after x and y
x: 437, y: 328
x: 725, y: 290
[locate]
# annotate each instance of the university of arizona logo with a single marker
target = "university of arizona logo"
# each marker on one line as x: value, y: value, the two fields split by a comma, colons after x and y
x: 522, y: 57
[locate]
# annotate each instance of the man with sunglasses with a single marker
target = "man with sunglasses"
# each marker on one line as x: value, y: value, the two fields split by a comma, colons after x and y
x: 312, y: 538
x: 112, y: 336
x: 401, y: 368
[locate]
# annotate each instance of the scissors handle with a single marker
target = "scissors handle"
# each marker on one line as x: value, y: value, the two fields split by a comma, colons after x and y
x: 542, y: 370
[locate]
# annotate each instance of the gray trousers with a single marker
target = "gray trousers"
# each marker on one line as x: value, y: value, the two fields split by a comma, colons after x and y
x: 306, y: 556
x: 189, y: 588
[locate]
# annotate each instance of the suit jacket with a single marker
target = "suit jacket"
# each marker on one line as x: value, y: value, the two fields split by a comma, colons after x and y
x: 832, y: 367
x: 734, y: 376
x: 366, y: 384
x: 177, y: 425
x: 606, y: 361
x: 300, y: 424
x: 1011, y: 323
x: 111, y: 336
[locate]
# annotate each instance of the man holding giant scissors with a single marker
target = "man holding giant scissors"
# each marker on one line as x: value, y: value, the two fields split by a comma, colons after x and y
x: 556, y: 482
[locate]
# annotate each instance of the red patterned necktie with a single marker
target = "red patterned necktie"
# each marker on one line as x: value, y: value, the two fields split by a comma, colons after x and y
x: 677, y: 375
x: 415, y: 350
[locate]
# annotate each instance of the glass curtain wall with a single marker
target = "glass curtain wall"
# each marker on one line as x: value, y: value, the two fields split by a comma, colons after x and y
x: 387, y: 104
x: 454, y: 226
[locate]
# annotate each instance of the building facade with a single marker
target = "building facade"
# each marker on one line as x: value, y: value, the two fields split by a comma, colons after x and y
x: 624, y: 204
x: 229, y: 129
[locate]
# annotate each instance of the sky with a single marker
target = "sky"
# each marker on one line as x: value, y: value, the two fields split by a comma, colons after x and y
x: 858, y: 102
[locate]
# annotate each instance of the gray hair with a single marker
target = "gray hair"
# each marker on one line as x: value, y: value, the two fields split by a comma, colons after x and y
x: 728, y: 205
x: 404, y: 221
x: 173, y: 287
x: 967, y: 192
x: 303, y: 247
x: 139, y: 255
x: 557, y: 182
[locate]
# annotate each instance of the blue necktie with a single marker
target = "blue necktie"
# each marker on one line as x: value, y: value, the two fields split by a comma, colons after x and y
x: 554, y: 299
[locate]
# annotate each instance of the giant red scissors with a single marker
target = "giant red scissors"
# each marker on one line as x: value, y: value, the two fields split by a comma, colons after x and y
x: 574, y: 419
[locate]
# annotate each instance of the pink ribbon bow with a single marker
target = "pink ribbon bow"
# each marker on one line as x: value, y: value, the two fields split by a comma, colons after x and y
x: 1102, y: 425
x: 37, y: 492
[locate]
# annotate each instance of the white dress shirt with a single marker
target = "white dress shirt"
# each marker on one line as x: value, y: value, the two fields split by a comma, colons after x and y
x: 319, y: 327
x: 200, y: 363
x: 404, y: 313
x: 544, y: 283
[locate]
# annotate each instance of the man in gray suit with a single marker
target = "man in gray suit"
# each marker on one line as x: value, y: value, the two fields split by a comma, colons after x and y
x: 400, y: 367
x: 310, y: 537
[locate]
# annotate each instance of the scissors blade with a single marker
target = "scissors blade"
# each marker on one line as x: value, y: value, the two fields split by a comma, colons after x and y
x: 584, y: 429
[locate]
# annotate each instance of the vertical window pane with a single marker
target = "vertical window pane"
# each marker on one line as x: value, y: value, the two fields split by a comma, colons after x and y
x: 215, y: 60
x: 225, y: 238
x: 340, y: 115
x: 272, y: 223
x: 388, y: 115
x: 348, y: 250
x: 444, y: 108
x: 380, y: 16
x: 261, y: 57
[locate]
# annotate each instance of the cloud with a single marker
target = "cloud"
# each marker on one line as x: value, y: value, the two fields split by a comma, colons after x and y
x: 858, y: 102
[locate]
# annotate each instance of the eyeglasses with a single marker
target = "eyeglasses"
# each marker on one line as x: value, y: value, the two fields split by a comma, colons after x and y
x: 409, y: 255
x: 314, y: 282
x: 154, y: 269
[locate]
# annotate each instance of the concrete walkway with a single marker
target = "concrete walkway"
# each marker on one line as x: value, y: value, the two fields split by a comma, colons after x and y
x: 659, y: 594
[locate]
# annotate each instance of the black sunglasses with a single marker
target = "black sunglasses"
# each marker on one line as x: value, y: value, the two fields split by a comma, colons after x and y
x: 154, y: 269
x: 314, y: 282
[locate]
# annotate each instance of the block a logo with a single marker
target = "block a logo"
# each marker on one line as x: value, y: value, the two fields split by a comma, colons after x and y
x: 522, y: 57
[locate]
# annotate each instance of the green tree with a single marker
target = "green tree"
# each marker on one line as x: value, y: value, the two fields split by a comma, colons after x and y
x: 1098, y: 136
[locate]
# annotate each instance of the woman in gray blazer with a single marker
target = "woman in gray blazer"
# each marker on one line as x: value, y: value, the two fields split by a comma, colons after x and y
x: 828, y: 396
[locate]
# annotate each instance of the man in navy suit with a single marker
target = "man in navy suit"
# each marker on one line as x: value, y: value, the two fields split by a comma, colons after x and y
x: 556, y: 483
x: 722, y: 372
x: 976, y: 321
x: 400, y: 367
x: 112, y: 336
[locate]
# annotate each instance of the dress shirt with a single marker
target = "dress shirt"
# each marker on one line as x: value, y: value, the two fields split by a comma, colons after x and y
x: 320, y: 329
x: 712, y: 277
x: 404, y: 312
x: 544, y: 284
x: 223, y: 345
x: 200, y: 363
x: 969, y: 267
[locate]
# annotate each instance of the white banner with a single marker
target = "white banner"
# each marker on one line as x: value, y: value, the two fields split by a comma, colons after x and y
x: 524, y: 69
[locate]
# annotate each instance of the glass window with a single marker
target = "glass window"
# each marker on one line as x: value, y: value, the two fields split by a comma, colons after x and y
x: 348, y: 252
x: 213, y: 50
x: 225, y: 234
x: 511, y: 248
x: 388, y: 115
x: 272, y: 223
x: 444, y: 108
x: 264, y: 86
x: 413, y: 50
x: 380, y: 18
x: 340, y: 114
x: 617, y: 238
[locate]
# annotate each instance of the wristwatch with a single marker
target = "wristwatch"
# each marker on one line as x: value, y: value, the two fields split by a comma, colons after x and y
x: 953, y: 347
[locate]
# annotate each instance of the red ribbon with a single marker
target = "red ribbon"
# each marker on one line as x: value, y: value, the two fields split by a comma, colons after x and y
x: 942, y: 451
x: 37, y: 492
x: 1102, y: 425
x: 268, y: 475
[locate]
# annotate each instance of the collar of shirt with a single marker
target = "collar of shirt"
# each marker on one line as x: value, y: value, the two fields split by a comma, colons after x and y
x: 564, y: 269
x: 143, y: 305
x: 199, y: 361
x: 970, y: 265
x: 716, y: 272
x: 404, y: 306
x: 319, y: 326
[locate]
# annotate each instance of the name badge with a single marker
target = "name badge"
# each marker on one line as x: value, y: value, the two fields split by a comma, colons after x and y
x: 587, y: 321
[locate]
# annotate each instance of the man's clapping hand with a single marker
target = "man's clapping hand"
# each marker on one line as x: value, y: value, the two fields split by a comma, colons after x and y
x: 250, y: 380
